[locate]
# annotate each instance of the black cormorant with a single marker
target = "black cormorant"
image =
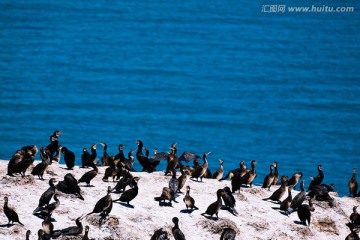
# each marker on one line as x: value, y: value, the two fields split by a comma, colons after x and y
x: 86, y: 234
x: 353, y: 234
x: 167, y: 194
x: 125, y: 181
x: 160, y: 234
x: 10, y: 213
x: 285, y: 205
x: 41, y: 167
x: 214, y: 207
x: 188, y: 200
x: 276, y: 174
x: 201, y: 170
x: 229, y: 201
x: 48, y: 228
x: 69, y: 186
x: 268, y: 179
x: 69, y: 157
x: 148, y: 166
x: 294, y: 179
x: 353, y: 185
x: 103, y: 205
x: 355, y: 216
x: 106, y: 158
x: 85, y: 158
x: 93, y: 154
x: 219, y: 173
x: 321, y: 193
x: 298, y: 199
x: 249, y: 176
x: 188, y: 156
x: 182, y: 179
x: 304, y: 212
x: 177, y: 233
x: 318, y: 179
x: 228, y: 234
x: 172, y: 159
x: 24, y: 164
x: 174, y: 182
x: 47, y: 195
x: 128, y: 195
x: 279, y: 193
x: 28, y: 233
x: 90, y: 175
x: 70, y: 231
x: 46, y: 211
x: 54, y: 143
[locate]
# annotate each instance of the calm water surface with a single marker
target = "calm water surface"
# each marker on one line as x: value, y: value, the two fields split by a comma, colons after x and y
x: 216, y: 77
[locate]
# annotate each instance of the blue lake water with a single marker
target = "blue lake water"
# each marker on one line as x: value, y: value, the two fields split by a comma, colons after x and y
x: 225, y: 78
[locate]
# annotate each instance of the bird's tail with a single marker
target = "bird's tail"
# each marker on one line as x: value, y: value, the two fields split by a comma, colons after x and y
x: 56, y: 234
x: 80, y: 196
x: 234, y: 211
x: 38, y: 209
x: 20, y: 223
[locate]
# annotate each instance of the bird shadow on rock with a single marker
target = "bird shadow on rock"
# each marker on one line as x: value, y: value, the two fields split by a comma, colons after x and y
x: 189, y: 211
x: 126, y: 205
x: 194, y: 180
x: 87, y: 186
x: 7, y: 225
x: 283, y: 213
x: 210, y: 217
x: 299, y: 223
x: 65, y: 168
x: 42, y: 217
x: 165, y: 204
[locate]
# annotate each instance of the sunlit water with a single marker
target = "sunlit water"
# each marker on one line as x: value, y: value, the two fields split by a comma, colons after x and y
x: 216, y: 77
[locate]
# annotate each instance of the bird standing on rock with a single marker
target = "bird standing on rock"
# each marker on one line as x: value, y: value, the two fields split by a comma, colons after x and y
x: 268, y: 180
x: 69, y: 158
x: 294, y: 179
x: 172, y: 159
x: 298, y: 199
x: 214, y: 207
x: 201, y: 170
x: 10, y: 213
x: 174, y: 182
x: 41, y: 167
x: 353, y: 185
x: 90, y: 175
x: 46, y: 211
x: 177, y: 233
x: 128, y: 195
x: 167, y: 194
x: 47, y: 195
x: 219, y: 173
x: 103, y: 205
x: 279, y: 193
x: 315, y: 181
x: 304, y: 212
x: 229, y: 201
x: 70, y: 231
x: 188, y: 200
x: 85, y: 158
